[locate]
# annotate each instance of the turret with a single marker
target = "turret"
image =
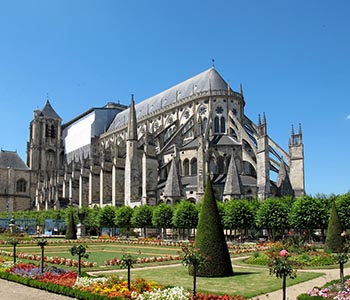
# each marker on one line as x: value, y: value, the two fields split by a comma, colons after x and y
x: 132, y: 195
x: 296, y: 152
x: 263, y: 160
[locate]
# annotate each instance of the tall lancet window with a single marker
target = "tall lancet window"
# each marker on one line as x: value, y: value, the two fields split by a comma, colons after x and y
x: 186, y: 167
x: 219, y: 121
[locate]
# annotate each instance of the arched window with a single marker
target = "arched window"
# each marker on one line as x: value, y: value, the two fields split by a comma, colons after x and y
x: 21, y: 186
x: 204, y: 125
x: 216, y: 125
x: 221, y: 166
x: 223, y: 125
x: 186, y: 167
x: 194, y: 166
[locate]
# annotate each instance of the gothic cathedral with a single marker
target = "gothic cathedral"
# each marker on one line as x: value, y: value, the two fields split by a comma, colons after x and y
x: 159, y: 150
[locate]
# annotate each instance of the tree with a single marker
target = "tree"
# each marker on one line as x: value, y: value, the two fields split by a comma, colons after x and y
x: 127, y: 261
x: 91, y: 220
x: 123, y: 217
x: 210, y: 238
x: 185, y: 216
x: 142, y: 218
x: 334, y: 240
x: 193, y: 259
x: 272, y: 215
x: 239, y: 214
x: 71, y: 232
x: 309, y: 213
x: 282, y: 268
x: 343, y: 208
x: 162, y: 217
x: 13, y: 242
x: 80, y: 251
x: 106, y: 217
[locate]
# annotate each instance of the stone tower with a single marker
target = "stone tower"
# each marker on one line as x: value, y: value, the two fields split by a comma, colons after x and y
x: 44, y: 147
x: 262, y: 161
x: 132, y: 195
x: 296, y: 152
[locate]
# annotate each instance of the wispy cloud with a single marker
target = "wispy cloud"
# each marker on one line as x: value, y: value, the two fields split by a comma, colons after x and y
x: 348, y: 117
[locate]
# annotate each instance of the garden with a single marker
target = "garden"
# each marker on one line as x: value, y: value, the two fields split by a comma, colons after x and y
x: 166, y: 261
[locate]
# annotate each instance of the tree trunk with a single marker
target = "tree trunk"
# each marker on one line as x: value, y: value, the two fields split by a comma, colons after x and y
x: 42, y: 259
x: 14, y: 254
x: 194, y: 282
x: 284, y: 287
x: 129, y: 278
x: 341, y: 269
x: 79, y: 265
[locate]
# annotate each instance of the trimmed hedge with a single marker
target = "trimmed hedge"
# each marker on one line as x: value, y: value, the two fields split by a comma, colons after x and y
x: 210, y: 238
x: 54, y: 288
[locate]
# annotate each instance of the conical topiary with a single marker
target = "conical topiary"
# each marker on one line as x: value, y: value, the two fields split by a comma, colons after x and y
x: 334, y: 241
x: 71, y: 232
x: 210, y: 238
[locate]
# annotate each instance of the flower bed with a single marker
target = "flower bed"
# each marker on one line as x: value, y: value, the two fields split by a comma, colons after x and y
x: 143, y: 260
x: 66, y: 282
x: 52, y: 260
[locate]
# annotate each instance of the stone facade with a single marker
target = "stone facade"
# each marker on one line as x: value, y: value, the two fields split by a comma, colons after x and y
x: 159, y: 150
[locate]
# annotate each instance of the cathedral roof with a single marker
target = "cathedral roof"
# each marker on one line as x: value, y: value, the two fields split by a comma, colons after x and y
x: 209, y: 80
x: 11, y: 159
x: 49, y: 112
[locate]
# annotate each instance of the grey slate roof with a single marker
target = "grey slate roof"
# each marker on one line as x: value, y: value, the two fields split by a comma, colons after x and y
x: 205, y: 81
x: 49, y: 112
x: 11, y: 159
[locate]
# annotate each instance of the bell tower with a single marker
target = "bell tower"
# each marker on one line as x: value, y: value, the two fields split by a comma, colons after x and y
x: 44, y: 147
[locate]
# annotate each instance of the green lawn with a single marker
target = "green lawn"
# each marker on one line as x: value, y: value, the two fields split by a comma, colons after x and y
x: 248, y: 282
x: 98, y: 252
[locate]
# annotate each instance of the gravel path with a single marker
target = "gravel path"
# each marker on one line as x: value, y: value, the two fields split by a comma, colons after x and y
x: 295, y: 290
x: 14, y: 291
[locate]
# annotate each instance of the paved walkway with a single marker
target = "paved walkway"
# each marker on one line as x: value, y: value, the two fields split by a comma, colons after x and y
x: 295, y: 290
x: 14, y: 291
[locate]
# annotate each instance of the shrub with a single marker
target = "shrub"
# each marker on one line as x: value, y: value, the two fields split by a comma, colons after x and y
x: 210, y: 238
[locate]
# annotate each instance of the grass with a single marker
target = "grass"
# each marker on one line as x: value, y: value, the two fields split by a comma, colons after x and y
x: 98, y: 253
x: 248, y: 282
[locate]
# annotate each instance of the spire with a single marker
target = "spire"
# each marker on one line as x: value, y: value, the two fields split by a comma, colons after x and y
x: 264, y: 118
x: 241, y: 87
x: 300, y: 131
x: 233, y: 183
x: 132, y: 124
x: 49, y: 112
x: 173, y: 183
x: 259, y: 120
x: 293, y: 130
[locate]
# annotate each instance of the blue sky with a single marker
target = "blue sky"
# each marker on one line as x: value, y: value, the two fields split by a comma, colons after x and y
x: 292, y: 58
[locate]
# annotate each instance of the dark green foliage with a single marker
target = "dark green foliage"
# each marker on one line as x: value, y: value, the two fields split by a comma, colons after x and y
x: 210, y: 238
x: 123, y: 217
x: 142, y: 218
x: 71, y: 233
x: 273, y: 216
x: 343, y: 208
x: 106, y: 216
x: 239, y: 214
x: 185, y: 215
x: 334, y: 240
x: 162, y: 217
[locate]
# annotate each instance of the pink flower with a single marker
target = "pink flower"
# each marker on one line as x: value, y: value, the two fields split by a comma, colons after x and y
x: 343, y: 233
x: 283, y: 253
